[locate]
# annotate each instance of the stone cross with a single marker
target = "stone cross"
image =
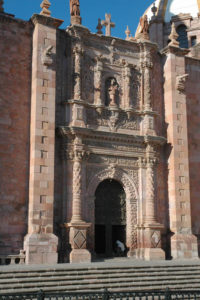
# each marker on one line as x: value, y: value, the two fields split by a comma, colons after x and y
x: 108, y: 24
x: 1, y: 6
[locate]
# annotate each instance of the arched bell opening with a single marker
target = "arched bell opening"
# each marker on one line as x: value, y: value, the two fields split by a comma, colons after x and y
x: 110, y: 218
x: 182, y: 36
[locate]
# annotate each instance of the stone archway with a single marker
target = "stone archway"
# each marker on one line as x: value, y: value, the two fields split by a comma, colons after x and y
x: 110, y: 218
x: 129, y: 187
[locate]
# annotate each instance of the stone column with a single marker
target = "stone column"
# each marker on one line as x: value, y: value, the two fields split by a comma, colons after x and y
x: 150, y: 190
x: 98, y: 82
x: 76, y: 105
x: 147, y: 68
x: 149, y: 233
x: 40, y: 243
x: 78, y: 227
x: 147, y: 85
x: 78, y: 52
x: 183, y: 242
x: 127, y: 86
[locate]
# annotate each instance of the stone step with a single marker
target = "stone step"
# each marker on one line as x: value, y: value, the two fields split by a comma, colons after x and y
x: 103, y: 282
x: 97, y: 277
x: 179, y: 275
x: 71, y: 272
x: 116, y: 287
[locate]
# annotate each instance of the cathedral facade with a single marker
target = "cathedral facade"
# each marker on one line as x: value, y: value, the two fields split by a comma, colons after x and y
x: 100, y: 138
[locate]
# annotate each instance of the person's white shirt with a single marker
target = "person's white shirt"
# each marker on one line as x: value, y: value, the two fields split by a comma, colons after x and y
x: 120, y: 245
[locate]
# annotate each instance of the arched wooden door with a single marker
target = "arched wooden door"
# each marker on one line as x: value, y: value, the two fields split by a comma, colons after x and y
x: 110, y: 217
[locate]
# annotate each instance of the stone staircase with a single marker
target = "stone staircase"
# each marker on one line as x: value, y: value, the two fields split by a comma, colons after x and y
x: 127, y: 275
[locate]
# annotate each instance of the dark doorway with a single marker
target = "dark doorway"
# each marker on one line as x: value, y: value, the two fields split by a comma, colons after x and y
x: 110, y: 217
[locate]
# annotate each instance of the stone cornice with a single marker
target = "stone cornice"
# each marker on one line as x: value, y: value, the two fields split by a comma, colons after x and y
x: 79, y: 29
x: 65, y: 131
x: 175, y: 50
x: 48, y: 21
x: 127, y: 110
x: 9, y: 18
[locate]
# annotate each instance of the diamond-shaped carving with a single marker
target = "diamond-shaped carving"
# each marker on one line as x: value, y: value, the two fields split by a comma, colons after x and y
x: 80, y: 240
x: 155, y: 239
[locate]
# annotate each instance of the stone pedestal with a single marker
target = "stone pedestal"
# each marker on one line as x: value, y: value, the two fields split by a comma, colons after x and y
x: 78, y: 241
x: 41, y: 248
x: 76, y: 20
x: 184, y: 246
x: 150, y: 243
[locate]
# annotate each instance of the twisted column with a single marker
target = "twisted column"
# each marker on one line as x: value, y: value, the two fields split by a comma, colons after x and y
x: 150, y: 200
x: 78, y: 227
x: 77, y: 186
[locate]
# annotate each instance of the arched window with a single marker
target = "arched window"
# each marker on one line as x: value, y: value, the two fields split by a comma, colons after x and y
x: 182, y: 36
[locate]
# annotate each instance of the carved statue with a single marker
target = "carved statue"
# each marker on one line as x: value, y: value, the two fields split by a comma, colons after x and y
x: 74, y: 8
x: 112, y: 91
x: 144, y: 25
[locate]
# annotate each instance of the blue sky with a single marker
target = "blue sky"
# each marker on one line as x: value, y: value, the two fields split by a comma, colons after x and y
x: 124, y: 12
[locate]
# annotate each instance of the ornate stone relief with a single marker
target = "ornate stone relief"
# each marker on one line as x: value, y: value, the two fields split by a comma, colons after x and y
x: 88, y: 79
x: 47, y: 56
x: 181, y: 82
x: 135, y: 92
x: 113, y: 119
x: 131, y: 191
x: 116, y: 173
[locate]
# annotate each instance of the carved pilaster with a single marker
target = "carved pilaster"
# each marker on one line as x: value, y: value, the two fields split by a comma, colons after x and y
x: 147, y: 66
x: 78, y: 52
x: 98, y: 81
x: 127, y: 85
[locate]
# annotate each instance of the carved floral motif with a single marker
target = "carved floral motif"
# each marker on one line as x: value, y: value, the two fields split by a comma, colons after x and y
x: 112, y: 119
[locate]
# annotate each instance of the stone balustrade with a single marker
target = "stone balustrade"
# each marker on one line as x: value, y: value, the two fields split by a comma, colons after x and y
x: 13, y: 259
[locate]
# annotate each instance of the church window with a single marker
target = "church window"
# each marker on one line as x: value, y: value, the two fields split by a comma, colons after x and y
x: 193, y: 40
x: 182, y: 36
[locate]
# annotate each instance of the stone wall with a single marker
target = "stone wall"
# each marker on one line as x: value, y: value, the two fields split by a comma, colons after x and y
x: 15, y: 89
x: 193, y: 109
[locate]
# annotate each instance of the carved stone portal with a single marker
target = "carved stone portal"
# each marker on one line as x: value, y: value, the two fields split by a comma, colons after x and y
x: 131, y: 194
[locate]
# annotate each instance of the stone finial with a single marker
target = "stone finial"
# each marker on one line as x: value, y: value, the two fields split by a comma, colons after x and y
x: 173, y: 37
x: 108, y: 24
x: 127, y: 32
x: 45, y: 8
x: 129, y: 36
x: 99, y: 27
x: 1, y: 6
x: 154, y: 9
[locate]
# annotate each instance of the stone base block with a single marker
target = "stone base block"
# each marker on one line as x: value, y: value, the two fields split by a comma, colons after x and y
x: 184, y: 246
x: 80, y: 256
x: 41, y: 248
x: 150, y: 254
x: 76, y: 20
